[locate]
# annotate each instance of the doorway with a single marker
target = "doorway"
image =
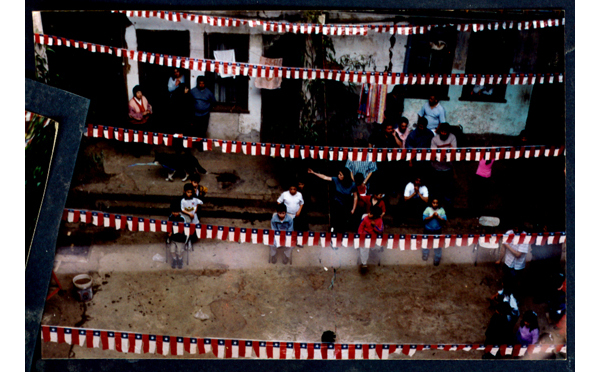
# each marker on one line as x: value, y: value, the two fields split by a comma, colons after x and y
x: 154, y: 77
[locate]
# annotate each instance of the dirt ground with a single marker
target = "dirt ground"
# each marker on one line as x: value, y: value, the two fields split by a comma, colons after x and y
x: 401, y: 299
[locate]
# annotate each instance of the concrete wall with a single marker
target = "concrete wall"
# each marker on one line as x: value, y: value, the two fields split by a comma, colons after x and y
x: 376, y: 45
x: 482, y: 117
x: 476, y: 117
x: 133, y: 76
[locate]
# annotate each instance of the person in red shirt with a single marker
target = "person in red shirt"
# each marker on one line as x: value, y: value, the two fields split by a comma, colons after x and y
x: 372, y: 224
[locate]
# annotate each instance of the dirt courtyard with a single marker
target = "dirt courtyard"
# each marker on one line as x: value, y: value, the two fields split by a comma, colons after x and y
x: 401, y: 299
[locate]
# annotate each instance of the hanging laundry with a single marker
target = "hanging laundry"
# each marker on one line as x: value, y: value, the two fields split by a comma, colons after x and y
x: 362, y: 101
x: 371, y: 104
x: 225, y: 56
x: 269, y: 82
x: 380, y: 103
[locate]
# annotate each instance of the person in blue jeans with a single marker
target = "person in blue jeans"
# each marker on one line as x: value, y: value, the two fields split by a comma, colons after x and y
x: 433, y: 216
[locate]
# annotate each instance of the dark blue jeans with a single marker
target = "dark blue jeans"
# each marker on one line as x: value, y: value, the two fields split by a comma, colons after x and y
x: 437, y: 252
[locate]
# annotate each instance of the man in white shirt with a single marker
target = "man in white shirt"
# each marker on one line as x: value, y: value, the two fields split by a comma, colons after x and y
x: 514, y: 255
x: 293, y: 201
x: 416, y: 196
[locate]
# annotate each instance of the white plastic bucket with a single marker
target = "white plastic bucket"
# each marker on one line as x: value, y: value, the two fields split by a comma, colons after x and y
x: 82, y: 281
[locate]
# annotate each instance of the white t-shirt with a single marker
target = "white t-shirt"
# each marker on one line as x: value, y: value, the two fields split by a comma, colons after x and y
x: 191, y: 205
x: 510, y: 260
x: 410, y: 188
x: 292, y: 202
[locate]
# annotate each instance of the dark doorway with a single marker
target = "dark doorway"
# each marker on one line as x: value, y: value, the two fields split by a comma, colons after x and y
x: 96, y: 76
x: 546, y: 117
x: 154, y: 77
x: 281, y: 107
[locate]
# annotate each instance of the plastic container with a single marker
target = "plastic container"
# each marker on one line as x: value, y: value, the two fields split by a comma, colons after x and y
x: 82, y: 281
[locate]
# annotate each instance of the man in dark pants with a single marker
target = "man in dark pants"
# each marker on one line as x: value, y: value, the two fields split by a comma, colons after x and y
x: 203, y: 102
x: 514, y: 256
x: 443, y: 173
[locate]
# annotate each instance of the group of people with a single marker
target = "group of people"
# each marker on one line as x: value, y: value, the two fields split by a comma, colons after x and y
x: 431, y: 131
x: 185, y: 209
x: 188, y: 109
x: 358, y: 202
x: 290, y: 215
x: 549, y: 288
x: 353, y: 204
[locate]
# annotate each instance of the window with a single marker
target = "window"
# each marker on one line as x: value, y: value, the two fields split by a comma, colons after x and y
x: 490, y: 52
x: 432, y: 52
x: 231, y: 93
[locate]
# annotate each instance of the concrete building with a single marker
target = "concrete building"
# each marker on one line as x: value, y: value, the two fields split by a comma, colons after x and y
x: 245, y: 110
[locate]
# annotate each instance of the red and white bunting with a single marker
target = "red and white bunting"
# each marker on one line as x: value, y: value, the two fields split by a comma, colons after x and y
x: 126, y: 342
x: 336, y: 29
x: 270, y: 71
x: 236, y: 234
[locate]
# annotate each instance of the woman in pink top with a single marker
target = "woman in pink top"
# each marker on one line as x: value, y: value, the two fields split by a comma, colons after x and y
x: 139, y: 108
x: 484, y: 169
x: 482, y: 187
x: 403, y: 131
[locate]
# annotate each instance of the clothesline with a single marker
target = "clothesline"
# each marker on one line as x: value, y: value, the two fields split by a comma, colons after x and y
x: 341, y: 29
x: 138, y: 343
x: 308, y: 238
x: 257, y: 70
x: 332, y: 153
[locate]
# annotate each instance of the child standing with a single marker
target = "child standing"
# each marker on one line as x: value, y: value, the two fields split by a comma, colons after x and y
x: 189, y: 203
x: 434, y: 216
x: 281, y: 221
x: 482, y: 185
x: 176, y: 242
x: 529, y: 331
x: 199, y: 190
x: 372, y: 224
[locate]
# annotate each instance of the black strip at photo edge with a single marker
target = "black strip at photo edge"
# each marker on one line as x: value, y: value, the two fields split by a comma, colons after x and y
x: 70, y: 111
x: 210, y: 365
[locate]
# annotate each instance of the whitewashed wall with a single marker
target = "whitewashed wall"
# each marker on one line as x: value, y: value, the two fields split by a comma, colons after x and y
x: 222, y: 125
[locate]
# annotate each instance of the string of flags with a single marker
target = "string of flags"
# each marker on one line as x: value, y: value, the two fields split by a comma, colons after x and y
x: 141, y: 343
x: 268, y: 71
x: 338, y: 29
x: 332, y: 153
x: 29, y: 133
x: 308, y: 238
